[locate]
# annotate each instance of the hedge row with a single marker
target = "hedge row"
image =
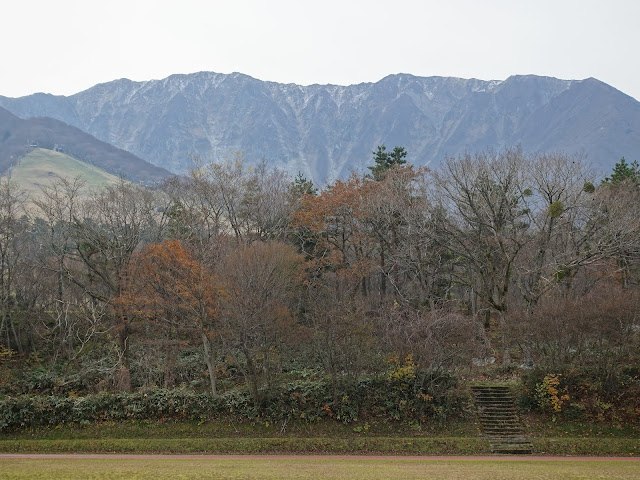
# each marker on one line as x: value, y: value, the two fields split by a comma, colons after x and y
x: 423, y: 398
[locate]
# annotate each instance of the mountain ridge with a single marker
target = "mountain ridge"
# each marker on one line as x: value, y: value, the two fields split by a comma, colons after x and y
x: 325, y: 131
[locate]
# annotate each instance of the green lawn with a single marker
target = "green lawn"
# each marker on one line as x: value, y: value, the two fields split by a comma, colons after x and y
x: 265, y: 445
x: 316, y: 468
x: 454, y: 438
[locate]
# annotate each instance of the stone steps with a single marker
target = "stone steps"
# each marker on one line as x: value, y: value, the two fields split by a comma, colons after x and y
x: 500, y: 421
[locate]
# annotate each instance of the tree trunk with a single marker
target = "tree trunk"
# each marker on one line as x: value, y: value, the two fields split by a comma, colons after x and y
x: 383, y: 275
x: 506, y: 355
x: 123, y: 382
x: 252, y: 378
x: 206, y: 345
x: 170, y: 356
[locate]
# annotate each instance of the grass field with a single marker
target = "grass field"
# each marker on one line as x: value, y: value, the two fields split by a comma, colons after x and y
x: 273, y: 445
x: 316, y: 445
x: 316, y: 468
x: 224, y: 437
x: 40, y: 167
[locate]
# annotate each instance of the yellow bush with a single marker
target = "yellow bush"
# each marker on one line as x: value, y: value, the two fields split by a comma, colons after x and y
x: 402, y: 372
x: 550, y: 396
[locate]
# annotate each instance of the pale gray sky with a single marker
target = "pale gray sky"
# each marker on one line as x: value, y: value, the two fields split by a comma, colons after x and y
x: 65, y: 46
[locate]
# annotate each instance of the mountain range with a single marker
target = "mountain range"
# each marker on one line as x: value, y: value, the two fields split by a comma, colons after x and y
x: 326, y: 131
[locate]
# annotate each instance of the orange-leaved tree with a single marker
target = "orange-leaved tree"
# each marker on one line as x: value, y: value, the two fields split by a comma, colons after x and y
x: 165, y: 283
x: 331, y: 232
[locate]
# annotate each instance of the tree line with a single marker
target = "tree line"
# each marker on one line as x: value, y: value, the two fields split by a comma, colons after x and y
x: 236, y: 274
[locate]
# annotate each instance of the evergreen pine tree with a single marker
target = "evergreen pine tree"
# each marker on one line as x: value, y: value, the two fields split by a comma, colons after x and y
x: 385, y: 160
x: 622, y: 172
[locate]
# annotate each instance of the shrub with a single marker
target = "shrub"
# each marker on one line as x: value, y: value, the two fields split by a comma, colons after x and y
x: 550, y: 395
x: 414, y: 395
x: 591, y: 391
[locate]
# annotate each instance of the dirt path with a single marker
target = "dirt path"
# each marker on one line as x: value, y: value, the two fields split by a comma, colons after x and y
x: 329, y: 457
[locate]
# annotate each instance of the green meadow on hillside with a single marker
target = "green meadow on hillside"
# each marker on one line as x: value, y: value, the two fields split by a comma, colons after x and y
x: 40, y: 167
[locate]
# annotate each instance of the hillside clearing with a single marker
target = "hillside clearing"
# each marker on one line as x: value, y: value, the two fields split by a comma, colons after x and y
x: 41, y: 167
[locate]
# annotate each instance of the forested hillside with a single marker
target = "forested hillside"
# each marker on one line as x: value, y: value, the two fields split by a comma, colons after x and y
x: 243, y: 279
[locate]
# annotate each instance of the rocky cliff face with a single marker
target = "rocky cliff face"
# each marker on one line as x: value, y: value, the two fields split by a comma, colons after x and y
x: 325, y: 131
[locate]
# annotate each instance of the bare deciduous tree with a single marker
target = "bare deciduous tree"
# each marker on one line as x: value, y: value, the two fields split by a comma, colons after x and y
x: 14, y: 226
x: 112, y: 224
x: 260, y: 280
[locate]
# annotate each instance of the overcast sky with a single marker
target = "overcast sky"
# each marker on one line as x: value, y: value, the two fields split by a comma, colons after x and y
x: 65, y: 46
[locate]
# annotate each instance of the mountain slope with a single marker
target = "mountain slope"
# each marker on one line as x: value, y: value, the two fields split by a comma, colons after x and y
x: 18, y: 137
x: 41, y: 167
x: 325, y: 131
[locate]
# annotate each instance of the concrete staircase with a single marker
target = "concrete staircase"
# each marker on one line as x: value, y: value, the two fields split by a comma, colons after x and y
x: 500, y: 422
